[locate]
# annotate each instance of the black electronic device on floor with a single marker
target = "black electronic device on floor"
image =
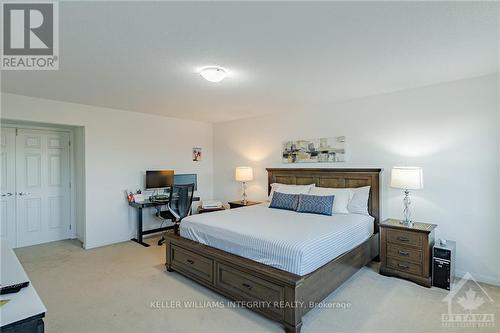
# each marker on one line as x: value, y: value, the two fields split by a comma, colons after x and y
x: 443, y: 264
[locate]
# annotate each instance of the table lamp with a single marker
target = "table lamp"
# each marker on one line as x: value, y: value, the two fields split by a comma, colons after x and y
x: 407, y: 178
x: 244, y: 175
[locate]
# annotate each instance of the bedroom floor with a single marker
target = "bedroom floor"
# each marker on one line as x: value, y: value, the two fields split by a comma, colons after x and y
x: 110, y: 289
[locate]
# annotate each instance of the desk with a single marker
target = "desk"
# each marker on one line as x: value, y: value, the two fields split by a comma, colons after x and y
x: 140, y: 232
x: 25, y: 310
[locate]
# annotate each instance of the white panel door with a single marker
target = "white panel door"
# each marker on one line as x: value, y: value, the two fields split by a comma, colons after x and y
x: 43, y: 186
x: 8, y: 185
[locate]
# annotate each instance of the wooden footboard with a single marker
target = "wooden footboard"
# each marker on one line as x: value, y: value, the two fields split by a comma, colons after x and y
x: 276, y: 294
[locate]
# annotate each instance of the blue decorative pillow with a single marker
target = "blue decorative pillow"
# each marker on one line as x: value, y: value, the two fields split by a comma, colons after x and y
x: 316, y: 204
x: 284, y: 201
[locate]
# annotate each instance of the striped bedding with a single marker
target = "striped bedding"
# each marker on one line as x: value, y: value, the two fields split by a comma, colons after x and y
x: 298, y: 243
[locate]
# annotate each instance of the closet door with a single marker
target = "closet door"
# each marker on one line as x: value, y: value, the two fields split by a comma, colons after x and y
x: 8, y: 185
x: 43, y: 186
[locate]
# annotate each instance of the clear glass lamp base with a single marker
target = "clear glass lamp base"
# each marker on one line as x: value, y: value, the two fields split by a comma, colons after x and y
x: 406, y: 223
x: 406, y: 211
x: 244, y: 194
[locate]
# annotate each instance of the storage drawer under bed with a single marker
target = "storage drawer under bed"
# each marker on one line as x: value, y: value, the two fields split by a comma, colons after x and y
x: 263, y: 294
x: 192, y: 263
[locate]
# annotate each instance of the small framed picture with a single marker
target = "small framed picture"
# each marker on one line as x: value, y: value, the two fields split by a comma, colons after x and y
x: 196, y: 154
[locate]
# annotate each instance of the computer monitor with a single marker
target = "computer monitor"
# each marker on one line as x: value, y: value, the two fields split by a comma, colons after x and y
x: 186, y: 178
x: 159, y: 179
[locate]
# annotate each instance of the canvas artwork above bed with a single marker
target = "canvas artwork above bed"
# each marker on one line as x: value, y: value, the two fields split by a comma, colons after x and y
x: 322, y: 150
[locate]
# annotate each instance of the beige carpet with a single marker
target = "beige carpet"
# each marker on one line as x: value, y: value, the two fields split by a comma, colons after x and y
x: 110, y: 289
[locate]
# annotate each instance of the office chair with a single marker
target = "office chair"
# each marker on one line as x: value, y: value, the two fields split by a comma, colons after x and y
x: 164, y: 215
x: 179, y: 206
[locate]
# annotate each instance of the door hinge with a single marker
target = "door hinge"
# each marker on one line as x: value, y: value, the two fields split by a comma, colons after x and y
x: 70, y: 227
x: 16, y: 130
x: 69, y: 184
x: 69, y: 143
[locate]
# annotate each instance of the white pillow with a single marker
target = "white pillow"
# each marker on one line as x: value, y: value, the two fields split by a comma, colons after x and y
x: 359, y: 201
x: 289, y: 189
x: 341, y: 200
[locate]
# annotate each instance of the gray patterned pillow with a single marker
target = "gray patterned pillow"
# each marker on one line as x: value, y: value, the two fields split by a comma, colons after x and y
x: 316, y: 204
x: 284, y: 201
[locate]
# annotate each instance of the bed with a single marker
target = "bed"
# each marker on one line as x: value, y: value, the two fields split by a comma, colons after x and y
x: 287, y: 240
x: 279, y: 263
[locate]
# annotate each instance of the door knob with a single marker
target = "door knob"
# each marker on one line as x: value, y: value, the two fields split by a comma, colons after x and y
x: 23, y: 193
x: 8, y: 194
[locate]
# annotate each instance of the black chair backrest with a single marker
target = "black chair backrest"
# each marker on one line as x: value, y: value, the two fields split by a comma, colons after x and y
x: 181, y: 200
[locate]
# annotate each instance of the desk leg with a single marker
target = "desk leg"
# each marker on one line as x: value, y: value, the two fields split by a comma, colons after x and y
x: 139, y: 229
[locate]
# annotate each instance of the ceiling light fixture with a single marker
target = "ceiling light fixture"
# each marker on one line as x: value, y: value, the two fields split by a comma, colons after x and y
x: 213, y: 73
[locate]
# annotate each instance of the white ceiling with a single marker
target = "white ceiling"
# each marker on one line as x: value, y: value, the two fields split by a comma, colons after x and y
x: 282, y: 56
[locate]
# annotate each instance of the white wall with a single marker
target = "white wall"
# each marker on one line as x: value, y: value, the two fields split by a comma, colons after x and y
x: 119, y: 146
x: 451, y: 130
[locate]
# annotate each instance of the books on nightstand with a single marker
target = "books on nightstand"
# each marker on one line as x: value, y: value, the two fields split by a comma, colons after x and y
x: 210, y: 204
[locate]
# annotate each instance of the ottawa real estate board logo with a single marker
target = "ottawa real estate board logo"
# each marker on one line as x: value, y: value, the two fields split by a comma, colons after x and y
x: 30, y: 35
x: 469, y: 306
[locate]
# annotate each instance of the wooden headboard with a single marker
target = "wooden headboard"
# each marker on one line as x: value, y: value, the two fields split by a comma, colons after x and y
x: 339, y: 178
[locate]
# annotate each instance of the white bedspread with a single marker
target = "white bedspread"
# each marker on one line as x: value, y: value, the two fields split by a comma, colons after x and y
x: 298, y: 243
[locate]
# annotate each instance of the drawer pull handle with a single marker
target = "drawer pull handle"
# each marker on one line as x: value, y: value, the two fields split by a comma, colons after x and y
x: 189, y: 261
x: 403, y: 239
x: 403, y: 266
x: 246, y: 285
x: 403, y: 253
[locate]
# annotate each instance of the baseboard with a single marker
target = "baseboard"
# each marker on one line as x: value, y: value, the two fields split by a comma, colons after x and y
x: 115, y: 241
x: 480, y: 277
x: 120, y: 240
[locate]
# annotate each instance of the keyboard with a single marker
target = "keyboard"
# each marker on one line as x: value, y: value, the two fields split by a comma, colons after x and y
x: 14, y: 288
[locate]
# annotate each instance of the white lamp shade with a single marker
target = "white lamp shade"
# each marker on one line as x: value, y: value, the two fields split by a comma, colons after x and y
x: 243, y: 174
x: 407, y: 178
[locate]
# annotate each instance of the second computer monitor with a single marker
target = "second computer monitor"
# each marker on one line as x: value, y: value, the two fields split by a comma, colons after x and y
x: 186, y: 178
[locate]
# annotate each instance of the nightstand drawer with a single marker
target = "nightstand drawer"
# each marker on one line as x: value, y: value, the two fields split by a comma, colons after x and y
x: 404, y: 266
x: 404, y: 238
x: 404, y: 253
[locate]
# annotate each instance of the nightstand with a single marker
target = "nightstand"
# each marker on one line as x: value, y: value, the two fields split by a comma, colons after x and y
x: 239, y: 203
x: 406, y: 252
